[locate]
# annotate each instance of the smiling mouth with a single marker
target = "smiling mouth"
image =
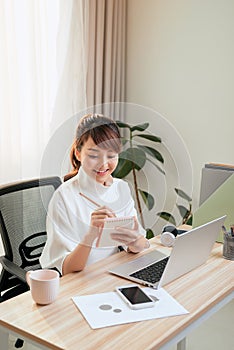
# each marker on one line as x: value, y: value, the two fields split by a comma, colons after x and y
x: 101, y: 172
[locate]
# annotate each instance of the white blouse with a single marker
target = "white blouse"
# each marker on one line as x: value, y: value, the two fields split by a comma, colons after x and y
x: 69, y: 214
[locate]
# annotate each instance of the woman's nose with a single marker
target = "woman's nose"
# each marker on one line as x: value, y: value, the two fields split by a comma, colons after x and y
x: 103, y: 161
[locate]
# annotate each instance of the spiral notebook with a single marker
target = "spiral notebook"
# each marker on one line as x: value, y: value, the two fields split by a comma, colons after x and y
x: 105, y: 239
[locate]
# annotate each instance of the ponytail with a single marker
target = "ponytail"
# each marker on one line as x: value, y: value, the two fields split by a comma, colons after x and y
x: 75, y: 163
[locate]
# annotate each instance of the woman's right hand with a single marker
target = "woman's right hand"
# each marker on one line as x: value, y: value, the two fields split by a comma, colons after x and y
x: 96, y: 223
x: 98, y: 216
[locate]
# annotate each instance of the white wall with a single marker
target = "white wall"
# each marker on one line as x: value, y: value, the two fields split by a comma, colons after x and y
x: 180, y: 56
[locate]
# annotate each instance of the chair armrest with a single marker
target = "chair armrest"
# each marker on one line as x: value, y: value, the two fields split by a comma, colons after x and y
x: 13, y: 268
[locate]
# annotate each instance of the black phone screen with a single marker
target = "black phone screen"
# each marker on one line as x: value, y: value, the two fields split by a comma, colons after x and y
x: 135, y: 295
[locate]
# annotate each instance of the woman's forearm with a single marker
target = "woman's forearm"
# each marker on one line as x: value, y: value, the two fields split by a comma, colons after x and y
x: 77, y: 259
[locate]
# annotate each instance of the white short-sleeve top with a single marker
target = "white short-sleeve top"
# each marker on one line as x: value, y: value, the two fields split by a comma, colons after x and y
x: 69, y: 214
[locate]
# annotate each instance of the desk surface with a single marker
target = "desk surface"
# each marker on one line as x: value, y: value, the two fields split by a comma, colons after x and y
x: 61, y: 326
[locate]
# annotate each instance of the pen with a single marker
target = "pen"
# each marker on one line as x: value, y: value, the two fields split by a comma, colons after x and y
x: 232, y: 230
x: 226, y: 233
x: 95, y: 203
x: 89, y: 199
x: 224, y: 229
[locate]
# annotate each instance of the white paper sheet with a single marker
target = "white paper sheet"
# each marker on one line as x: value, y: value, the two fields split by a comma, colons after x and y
x: 108, y: 309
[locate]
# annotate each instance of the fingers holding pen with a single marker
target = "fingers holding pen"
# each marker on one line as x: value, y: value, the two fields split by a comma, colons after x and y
x: 103, y: 213
x: 97, y: 222
x: 99, y: 215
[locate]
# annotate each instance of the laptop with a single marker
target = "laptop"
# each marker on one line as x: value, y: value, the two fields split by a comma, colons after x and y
x: 191, y: 249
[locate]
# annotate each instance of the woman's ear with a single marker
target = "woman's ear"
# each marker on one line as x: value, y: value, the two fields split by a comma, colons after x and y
x: 77, y: 155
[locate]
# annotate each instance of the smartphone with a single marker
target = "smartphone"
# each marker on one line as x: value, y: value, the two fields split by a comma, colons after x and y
x: 135, y: 297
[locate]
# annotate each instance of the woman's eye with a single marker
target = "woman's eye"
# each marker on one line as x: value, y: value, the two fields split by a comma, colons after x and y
x: 92, y: 157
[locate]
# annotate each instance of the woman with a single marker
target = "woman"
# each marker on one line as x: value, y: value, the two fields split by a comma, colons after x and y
x: 88, y: 196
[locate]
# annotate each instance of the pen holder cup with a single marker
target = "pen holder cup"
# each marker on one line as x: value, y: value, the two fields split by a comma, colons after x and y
x: 228, y: 247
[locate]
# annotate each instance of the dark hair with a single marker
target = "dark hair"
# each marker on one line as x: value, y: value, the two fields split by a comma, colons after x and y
x: 104, y: 132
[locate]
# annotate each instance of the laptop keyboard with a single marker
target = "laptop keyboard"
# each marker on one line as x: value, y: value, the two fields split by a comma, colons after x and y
x: 151, y: 273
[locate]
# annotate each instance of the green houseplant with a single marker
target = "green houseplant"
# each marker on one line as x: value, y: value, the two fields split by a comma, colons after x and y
x: 133, y: 159
x: 185, y: 211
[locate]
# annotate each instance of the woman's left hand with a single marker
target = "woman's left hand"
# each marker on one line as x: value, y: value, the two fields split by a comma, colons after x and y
x: 130, y: 237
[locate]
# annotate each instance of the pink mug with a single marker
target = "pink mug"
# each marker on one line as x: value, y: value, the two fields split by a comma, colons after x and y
x: 44, y: 285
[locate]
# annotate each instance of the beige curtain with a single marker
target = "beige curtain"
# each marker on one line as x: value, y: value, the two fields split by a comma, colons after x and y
x: 91, y: 59
x: 105, y: 40
x: 70, y: 63
x: 91, y: 72
x: 28, y: 30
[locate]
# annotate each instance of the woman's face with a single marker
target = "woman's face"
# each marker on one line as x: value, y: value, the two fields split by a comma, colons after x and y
x: 98, y: 163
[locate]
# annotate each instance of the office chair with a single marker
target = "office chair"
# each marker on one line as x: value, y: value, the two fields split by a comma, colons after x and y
x: 23, y: 210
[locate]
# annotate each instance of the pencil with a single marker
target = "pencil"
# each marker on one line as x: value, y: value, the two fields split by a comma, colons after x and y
x: 89, y: 199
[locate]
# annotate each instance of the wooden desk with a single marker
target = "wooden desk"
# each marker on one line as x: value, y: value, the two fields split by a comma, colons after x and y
x: 61, y: 326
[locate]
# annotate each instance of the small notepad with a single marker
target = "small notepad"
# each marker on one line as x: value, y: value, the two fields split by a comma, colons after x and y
x: 105, y: 239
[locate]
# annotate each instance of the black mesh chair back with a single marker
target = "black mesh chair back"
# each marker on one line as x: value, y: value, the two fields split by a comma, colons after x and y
x: 23, y: 211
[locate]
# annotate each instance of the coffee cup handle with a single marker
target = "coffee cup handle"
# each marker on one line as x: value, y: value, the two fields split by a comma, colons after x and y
x: 27, y: 276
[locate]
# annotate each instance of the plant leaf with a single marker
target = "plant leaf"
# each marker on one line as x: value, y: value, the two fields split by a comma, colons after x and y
x: 167, y: 216
x: 122, y: 125
x: 124, y: 141
x: 183, y: 195
x: 123, y: 168
x: 183, y: 211
x: 149, y: 233
x: 149, y: 137
x: 152, y: 152
x: 140, y: 127
x: 147, y: 198
x: 135, y: 155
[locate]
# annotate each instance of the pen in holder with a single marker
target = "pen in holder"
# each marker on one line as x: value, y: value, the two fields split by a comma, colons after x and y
x: 228, y: 244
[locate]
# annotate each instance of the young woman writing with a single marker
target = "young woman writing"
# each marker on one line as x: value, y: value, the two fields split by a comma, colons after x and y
x: 88, y: 196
